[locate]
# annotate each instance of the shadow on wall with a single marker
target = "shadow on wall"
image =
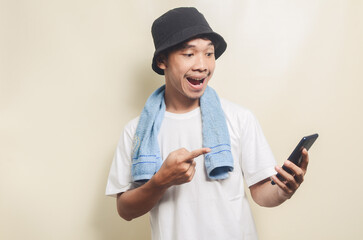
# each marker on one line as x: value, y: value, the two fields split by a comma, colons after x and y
x: 106, y: 221
x: 146, y: 81
x: 108, y: 225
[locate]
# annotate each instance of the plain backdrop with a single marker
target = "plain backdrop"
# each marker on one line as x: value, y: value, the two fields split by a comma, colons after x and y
x: 73, y: 73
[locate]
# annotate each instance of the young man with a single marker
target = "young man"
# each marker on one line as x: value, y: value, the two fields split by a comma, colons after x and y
x: 186, y: 197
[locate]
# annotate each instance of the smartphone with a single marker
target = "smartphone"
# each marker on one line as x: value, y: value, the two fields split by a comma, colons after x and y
x: 296, y: 156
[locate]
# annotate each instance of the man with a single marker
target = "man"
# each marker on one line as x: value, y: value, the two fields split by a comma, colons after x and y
x: 185, y: 199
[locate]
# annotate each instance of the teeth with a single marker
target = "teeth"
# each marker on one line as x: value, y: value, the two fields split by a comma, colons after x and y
x: 196, y: 79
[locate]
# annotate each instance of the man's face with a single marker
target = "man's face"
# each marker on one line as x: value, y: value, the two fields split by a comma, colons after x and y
x: 189, y: 69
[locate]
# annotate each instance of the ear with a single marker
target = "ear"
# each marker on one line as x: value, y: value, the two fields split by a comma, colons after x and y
x: 161, y: 62
x: 162, y: 65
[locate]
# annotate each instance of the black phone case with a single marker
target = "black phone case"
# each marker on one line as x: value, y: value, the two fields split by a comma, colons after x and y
x: 296, y: 156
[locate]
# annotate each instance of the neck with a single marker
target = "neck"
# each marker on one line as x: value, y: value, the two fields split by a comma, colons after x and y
x: 181, y: 104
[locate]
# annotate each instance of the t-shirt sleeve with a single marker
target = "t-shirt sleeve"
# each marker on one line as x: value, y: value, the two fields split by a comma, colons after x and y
x: 119, y: 178
x: 257, y: 160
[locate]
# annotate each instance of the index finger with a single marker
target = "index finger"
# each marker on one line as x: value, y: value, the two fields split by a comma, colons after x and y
x: 198, y: 152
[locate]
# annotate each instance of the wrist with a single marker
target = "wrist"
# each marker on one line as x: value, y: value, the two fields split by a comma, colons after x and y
x: 158, y: 183
x: 282, y: 195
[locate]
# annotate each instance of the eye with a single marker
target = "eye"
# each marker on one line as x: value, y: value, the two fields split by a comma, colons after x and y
x: 210, y: 54
x: 188, y: 54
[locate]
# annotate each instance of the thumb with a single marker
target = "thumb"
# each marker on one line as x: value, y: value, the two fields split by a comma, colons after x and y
x: 305, y: 160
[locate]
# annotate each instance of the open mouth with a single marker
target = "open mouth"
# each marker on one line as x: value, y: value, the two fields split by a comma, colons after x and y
x: 196, y: 81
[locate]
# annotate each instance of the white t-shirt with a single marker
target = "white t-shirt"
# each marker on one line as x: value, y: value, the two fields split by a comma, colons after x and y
x: 203, y: 208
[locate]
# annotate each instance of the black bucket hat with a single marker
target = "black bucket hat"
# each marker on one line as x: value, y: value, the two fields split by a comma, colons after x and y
x: 179, y: 25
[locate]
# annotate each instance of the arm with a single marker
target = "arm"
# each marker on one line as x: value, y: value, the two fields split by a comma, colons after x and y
x: 267, y: 195
x: 178, y: 168
x: 136, y: 202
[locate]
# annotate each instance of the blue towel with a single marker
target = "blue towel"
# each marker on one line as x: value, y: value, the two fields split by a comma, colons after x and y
x: 146, y: 159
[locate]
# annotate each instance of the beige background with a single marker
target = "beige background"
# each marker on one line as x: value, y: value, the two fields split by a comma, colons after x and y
x: 73, y: 73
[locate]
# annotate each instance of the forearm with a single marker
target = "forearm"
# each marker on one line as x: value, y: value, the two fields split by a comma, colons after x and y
x: 178, y: 168
x: 267, y: 195
x: 136, y: 202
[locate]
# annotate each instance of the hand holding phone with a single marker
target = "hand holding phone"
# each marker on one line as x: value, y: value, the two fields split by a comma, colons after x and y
x: 296, y: 156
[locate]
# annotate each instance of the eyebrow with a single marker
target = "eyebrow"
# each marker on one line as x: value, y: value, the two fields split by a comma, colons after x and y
x: 188, y: 46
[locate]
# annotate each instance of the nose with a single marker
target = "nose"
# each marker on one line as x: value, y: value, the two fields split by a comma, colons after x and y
x: 200, y: 63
